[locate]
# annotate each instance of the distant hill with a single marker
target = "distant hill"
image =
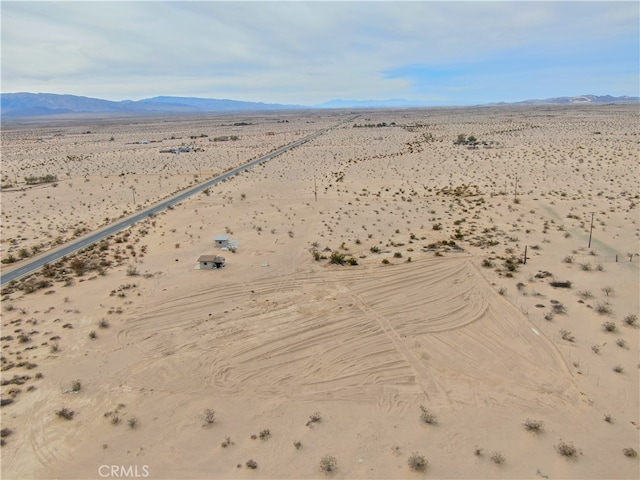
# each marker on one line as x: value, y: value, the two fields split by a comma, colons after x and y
x: 577, y: 100
x: 16, y: 105
x: 40, y: 104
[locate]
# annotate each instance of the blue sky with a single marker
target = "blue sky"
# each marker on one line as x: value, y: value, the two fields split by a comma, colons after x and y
x: 445, y: 53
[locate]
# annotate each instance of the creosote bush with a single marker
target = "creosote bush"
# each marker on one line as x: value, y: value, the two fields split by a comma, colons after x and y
x: 251, y: 464
x: 328, y: 464
x: 535, y: 426
x: 497, y: 458
x: 65, y: 413
x: 566, y: 449
x: 609, y: 326
x: 417, y: 462
x: 631, y: 320
x: 426, y: 416
x: 314, y: 418
x: 209, y: 416
x: 629, y: 452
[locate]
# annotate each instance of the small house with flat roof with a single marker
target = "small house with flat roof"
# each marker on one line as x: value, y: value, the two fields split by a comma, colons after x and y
x: 210, y: 261
x: 222, y: 241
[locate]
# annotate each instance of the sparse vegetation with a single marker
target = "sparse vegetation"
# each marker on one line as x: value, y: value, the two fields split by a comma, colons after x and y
x: 535, y: 426
x: 209, y: 416
x: 314, y: 418
x: 417, y: 462
x: 426, y: 416
x: 566, y: 449
x: 65, y: 413
x: 328, y: 464
x: 497, y: 458
x: 629, y: 452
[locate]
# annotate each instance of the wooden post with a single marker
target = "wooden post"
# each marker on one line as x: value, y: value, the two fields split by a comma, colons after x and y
x: 315, y: 188
x: 590, y: 230
x: 525, y: 254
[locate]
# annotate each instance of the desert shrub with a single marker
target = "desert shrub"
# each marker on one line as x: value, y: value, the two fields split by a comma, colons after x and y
x: 566, y: 335
x: 328, y: 464
x: 608, y: 418
x: 631, y: 320
x: 437, y: 226
x: 603, y: 308
x: 486, y: 263
x: 209, y: 416
x: 132, y: 271
x: 385, y: 261
x: 497, y: 458
x: 568, y: 259
x: 595, y: 348
x: 93, y: 335
x: 65, y: 413
x: 566, y: 449
x: 585, y: 294
x: 535, y: 426
x: 559, y: 308
x: 132, y: 422
x: 374, y: 249
x: 629, y: 452
x: 352, y: 261
x: 264, y: 434
x: 585, y: 267
x: 618, y: 369
x: 609, y: 326
x: 426, y: 416
x: 226, y: 443
x: 297, y: 444
x: 397, y: 255
x: 621, y: 342
x: 103, y: 323
x: 115, y: 419
x: 251, y: 464
x: 502, y: 291
x: 560, y: 284
x: 314, y: 418
x: 417, y: 462
x: 76, y: 385
x: 337, y: 258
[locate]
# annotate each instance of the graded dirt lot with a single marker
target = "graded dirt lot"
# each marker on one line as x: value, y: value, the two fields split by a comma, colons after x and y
x: 376, y: 309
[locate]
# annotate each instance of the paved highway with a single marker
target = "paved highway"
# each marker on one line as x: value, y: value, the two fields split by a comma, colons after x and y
x: 37, y: 262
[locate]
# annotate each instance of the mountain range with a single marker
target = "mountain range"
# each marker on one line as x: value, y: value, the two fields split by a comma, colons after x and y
x: 14, y: 105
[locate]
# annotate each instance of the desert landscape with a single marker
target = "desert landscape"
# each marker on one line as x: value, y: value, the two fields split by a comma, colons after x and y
x: 416, y: 293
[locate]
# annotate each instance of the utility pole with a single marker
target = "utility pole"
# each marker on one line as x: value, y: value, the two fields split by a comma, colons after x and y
x: 315, y: 188
x: 133, y: 192
x: 525, y: 254
x: 515, y: 192
x: 590, y: 230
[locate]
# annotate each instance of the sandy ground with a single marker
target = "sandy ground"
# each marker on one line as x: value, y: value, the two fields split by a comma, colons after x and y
x: 438, y: 319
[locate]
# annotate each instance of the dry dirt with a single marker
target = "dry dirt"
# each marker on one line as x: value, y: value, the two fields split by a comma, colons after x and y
x: 438, y: 313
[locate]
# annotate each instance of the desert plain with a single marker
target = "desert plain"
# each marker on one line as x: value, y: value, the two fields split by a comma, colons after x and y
x: 403, y: 301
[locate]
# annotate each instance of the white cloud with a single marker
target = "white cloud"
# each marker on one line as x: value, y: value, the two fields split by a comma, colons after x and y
x: 302, y: 52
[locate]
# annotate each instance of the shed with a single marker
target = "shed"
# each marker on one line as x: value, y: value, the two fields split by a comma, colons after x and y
x: 210, y: 261
x: 222, y: 241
